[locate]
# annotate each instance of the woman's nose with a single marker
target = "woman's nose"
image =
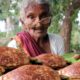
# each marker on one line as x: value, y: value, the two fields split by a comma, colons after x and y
x: 38, y: 23
x: 37, y: 19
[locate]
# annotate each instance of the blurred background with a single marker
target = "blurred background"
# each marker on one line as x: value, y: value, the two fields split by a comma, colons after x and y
x: 65, y: 21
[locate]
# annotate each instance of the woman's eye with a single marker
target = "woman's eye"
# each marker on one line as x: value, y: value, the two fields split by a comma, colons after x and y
x: 44, y: 15
x: 31, y: 17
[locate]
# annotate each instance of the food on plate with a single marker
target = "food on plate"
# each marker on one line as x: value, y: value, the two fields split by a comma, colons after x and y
x: 52, y: 60
x: 31, y: 72
x: 11, y: 58
x: 72, y: 71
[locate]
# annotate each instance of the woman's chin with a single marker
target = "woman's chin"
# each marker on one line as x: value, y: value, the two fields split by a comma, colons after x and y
x: 41, y: 34
x: 38, y: 34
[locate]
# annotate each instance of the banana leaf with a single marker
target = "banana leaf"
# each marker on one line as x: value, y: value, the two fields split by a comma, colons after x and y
x: 69, y: 57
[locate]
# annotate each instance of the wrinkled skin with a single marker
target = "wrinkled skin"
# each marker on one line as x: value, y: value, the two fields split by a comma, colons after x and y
x: 31, y: 72
x: 72, y: 71
x: 32, y: 22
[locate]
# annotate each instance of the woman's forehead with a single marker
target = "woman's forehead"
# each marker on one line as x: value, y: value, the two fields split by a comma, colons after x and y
x: 37, y: 8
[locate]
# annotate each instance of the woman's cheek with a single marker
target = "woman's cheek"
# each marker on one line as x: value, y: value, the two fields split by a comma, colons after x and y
x: 28, y: 23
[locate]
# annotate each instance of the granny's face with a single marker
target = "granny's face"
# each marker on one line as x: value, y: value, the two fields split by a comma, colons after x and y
x: 37, y: 20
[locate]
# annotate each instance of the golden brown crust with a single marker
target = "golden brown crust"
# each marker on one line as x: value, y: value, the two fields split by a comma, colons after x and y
x: 32, y: 72
x: 72, y: 71
x: 11, y: 58
x: 52, y: 60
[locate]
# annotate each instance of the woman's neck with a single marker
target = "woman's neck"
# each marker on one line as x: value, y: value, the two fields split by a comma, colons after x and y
x: 41, y: 39
x: 38, y: 38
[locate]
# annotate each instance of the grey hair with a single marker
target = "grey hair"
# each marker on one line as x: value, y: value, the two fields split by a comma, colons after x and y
x: 25, y: 3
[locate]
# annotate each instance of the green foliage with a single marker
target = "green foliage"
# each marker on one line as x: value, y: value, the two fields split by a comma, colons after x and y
x: 69, y: 57
x: 4, y: 40
x: 18, y: 29
x: 58, y: 11
x: 2, y: 34
x: 6, y: 8
x: 75, y: 39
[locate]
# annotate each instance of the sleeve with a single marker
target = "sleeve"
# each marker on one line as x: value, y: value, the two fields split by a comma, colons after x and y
x: 12, y: 44
x: 57, y: 44
x: 60, y: 46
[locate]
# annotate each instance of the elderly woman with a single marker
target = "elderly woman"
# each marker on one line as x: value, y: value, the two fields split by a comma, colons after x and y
x: 35, y: 16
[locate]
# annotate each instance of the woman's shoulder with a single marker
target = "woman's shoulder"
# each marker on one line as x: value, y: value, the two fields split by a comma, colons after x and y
x: 55, y: 36
x: 12, y: 43
x: 57, y: 43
